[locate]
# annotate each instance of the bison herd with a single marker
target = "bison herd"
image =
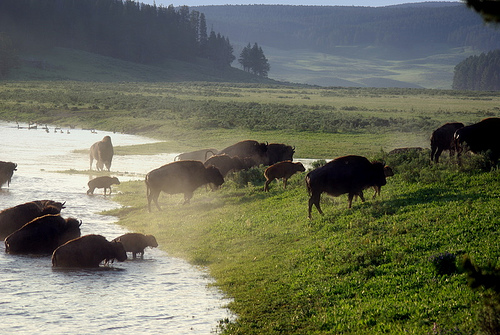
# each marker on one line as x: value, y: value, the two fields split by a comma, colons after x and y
x: 37, y: 227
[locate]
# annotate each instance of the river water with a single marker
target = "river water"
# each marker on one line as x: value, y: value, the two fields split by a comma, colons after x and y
x: 156, y: 295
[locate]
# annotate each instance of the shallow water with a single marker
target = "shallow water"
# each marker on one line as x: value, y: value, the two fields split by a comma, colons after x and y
x: 156, y: 295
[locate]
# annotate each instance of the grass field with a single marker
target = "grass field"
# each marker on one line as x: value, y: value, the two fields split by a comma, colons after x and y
x: 370, y: 269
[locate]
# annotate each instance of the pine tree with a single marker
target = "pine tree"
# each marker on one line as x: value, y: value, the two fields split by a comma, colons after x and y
x: 253, y: 60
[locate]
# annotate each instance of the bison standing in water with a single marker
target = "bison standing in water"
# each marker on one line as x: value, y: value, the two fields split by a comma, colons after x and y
x: 6, y: 172
x: 87, y: 252
x: 104, y: 182
x: 281, y: 170
x: 42, y: 235
x: 13, y: 218
x: 481, y: 137
x: 347, y: 174
x: 180, y: 177
x: 442, y: 139
x: 136, y: 243
x: 102, y: 152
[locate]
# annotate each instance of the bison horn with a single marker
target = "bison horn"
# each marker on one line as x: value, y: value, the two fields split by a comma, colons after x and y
x: 62, y: 205
x: 80, y: 223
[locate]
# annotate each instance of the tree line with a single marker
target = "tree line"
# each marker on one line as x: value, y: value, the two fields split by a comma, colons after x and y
x: 122, y: 29
x: 478, y: 72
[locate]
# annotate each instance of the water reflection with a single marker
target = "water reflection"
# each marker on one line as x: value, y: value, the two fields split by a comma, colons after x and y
x: 157, y: 295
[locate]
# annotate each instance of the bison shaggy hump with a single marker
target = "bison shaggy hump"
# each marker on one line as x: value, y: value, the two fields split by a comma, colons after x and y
x: 347, y: 174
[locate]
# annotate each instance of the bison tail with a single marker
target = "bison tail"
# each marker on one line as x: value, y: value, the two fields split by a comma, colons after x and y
x: 308, y: 185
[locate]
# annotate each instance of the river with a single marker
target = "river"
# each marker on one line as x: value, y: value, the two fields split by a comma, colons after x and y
x: 157, y: 295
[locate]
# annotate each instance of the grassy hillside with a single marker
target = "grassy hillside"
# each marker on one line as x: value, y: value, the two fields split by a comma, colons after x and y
x: 376, y: 268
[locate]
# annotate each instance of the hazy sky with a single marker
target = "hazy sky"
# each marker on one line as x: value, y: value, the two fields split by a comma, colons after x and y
x: 372, y: 3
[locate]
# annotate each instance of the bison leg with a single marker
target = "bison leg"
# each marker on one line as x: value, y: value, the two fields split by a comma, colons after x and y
x: 314, y: 200
x: 438, y: 153
x: 90, y: 191
x: 266, y: 185
x: 153, y: 195
x: 284, y: 183
x: 377, y: 191
x: 187, y: 197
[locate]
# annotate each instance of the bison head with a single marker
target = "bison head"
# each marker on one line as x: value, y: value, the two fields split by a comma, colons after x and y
x: 213, y: 175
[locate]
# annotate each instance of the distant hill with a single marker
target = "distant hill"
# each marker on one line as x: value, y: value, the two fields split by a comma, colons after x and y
x: 409, y: 45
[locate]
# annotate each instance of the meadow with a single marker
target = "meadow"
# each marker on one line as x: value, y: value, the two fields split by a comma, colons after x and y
x: 373, y: 268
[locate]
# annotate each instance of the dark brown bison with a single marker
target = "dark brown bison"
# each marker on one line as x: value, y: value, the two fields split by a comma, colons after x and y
x: 180, y: 177
x: 248, y: 149
x: 225, y: 164
x: 480, y: 137
x: 281, y: 170
x: 388, y: 173
x: 87, y: 252
x: 278, y: 152
x: 198, y: 155
x: 347, y: 174
x: 42, y: 235
x: 442, y: 139
x: 102, y: 152
x: 136, y: 243
x: 6, y: 171
x: 104, y: 182
x: 13, y: 218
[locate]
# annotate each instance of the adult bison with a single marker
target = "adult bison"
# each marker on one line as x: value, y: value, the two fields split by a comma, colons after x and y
x: 180, y: 177
x: 198, y: 155
x: 6, y: 172
x: 104, y: 182
x: 442, y: 139
x: 87, y: 252
x: 102, y: 152
x: 42, y: 235
x: 281, y: 170
x: 13, y: 218
x: 225, y: 164
x: 248, y: 149
x: 481, y: 137
x: 136, y: 243
x: 279, y: 152
x: 347, y: 174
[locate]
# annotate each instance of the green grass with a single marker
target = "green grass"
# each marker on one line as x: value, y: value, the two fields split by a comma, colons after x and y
x: 363, y: 270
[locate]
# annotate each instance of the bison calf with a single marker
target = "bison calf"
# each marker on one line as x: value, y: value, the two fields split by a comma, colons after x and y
x: 6, y: 172
x: 136, y: 243
x: 347, y: 174
x: 104, y: 182
x: 87, y: 252
x: 281, y: 170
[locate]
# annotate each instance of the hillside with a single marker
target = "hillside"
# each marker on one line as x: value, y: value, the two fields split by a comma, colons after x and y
x: 412, y: 45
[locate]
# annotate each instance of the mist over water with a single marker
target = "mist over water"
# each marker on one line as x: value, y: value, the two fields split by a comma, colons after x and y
x: 157, y: 295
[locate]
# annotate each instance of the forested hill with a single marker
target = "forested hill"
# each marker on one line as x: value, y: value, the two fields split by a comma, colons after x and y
x: 323, y: 28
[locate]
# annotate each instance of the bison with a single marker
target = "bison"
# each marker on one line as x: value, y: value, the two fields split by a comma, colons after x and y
x: 87, y: 252
x: 388, y: 173
x: 6, y: 171
x: 180, y: 177
x: 248, y: 149
x: 283, y: 170
x: 480, y: 137
x: 225, y: 164
x: 278, y: 152
x: 198, y: 155
x: 136, y: 243
x: 102, y: 152
x: 348, y: 174
x: 13, y: 218
x: 104, y: 182
x: 42, y: 235
x: 442, y: 139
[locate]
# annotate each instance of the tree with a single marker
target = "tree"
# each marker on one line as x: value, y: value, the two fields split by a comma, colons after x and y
x: 253, y: 60
x: 8, y: 55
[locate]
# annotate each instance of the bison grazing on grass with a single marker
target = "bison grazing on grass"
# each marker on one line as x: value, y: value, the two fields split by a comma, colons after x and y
x: 6, y: 171
x: 42, y: 235
x: 87, y: 252
x: 225, y: 164
x: 102, y: 152
x: 136, y: 243
x: 198, y: 155
x: 13, y: 218
x: 281, y: 170
x: 104, y: 182
x: 347, y: 174
x: 442, y: 139
x: 180, y: 177
x: 481, y: 137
